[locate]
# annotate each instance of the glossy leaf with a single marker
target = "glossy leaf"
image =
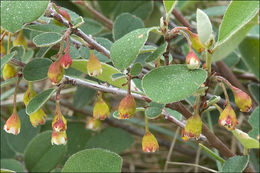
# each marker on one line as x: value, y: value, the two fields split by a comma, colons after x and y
x: 47, y: 39
x: 239, y: 18
x: 172, y: 83
x: 7, y: 58
x: 39, y: 100
x: 11, y: 164
x: 254, y: 122
x: 93, y: 160
x: 125, y: 23
x: 235, y: 164
x: 204, y: 26
x: 37, y: 69
x: 81, y: 65
x: 128, y: 47
x: 15, y: 13
x: 41, y: 156
x: 112, y: 139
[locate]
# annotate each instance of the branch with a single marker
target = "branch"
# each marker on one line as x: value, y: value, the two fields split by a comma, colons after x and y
x: 181, y: 18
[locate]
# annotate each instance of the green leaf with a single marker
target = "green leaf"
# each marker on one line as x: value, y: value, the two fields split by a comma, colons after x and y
x: 83, y: 96
x: 7, y: 58
x: 245, y: 140
x: 117, y: 76
x: 47, y: 39
x: 136, y: 69
x: 204, y: 27
x: 15, y: 13
x: 174, y: 114
x: 154, y: 110
x: 37, y: 69
x: 254, y: 90
x: 128, y: 47
x: 28, y: 55
x: 235, y: 164
x: 51, y: 27
x: 41, y: 156
x: 213, y: 11
x: 249, y: 48
x: 254, y: 122
x: 11, y: 164
x: 93, y: 160
x: 125, y: 23
x: 239, y: 18
x: 19, y: 142
x: 38, y: 101
x: 5, y: 150
x: 169, y: 6
x: 81, y: 65
x: 8, y: 82
x: 112, y: 139
x: 157, y: 53
x: 91, y: 26
x: 20, y: 51
x: 212, y: 154
x: 172, y: 83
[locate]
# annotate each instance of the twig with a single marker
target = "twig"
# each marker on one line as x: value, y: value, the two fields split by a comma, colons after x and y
x: 181, y: 18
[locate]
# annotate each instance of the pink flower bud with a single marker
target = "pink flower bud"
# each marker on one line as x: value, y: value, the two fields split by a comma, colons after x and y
x: 192, y: 61
x: 242, y: 100
x: 192, y: 128
x: 55, y: 73
x: 149, y: 143
x: 93, y: 124
x: 228, y: 118
x: 59, y: 138
x: 94, y: 66
x: 66, y: 60
x: 9, y: 71
x: 13, y: 124
x: 127, y: 107
x: 101, y: 109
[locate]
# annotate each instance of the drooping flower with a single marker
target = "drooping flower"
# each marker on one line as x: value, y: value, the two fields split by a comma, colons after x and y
x: 59, y: 123
x: 101, y: 109
x: 93, y: 124
x: 9, y: 71
x: 28, y: 95
x: 38, y: 117
x: 13, y: 124
x: 242, y: 99
x: 149, y: 143
x: 58, y: 138
x: 20, y: 40
x: 192, y: 61
x: 127, y: 107
x: 66, y: 60
x: 55, y: 73
x: 192, y: 128
x: 94, y: 66
x: 228, y: 118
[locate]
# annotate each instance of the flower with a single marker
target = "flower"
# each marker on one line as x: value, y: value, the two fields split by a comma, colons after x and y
x: 94, y: 66
x: 55, y: 73
x: 20, y: 40
x: 192, y: 128
x: 101, y: 109
x: 9, y: 71
x: 149, y: 143
x: 66, y: 60
x: 38, y: 117
x: 192, y: 61
x: 13, y: 124
x: 228, y: 118
x: 127, y: 106
x: 59, y: 138
x: 59, y: 123
x: 28, y: 95
x: 242, y: 100
x: 93, y: 124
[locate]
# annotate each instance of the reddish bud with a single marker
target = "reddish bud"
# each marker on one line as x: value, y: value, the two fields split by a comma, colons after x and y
x: 13, y: 124
x: 66, y: 60
x: 149, y: 143
x: 9, y: 71
x: 192, y: 61
x: 127, y: 107
x: 192, y: 128
x: 242, y: 99
x: 93, y: 124
x: 55, y: 73
x: 59, y: 138
x: 228, y: 118
x: 94, y: 66
x: 101, y: 109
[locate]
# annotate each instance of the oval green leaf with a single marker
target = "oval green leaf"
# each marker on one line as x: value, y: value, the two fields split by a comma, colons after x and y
x: 125, y: 50
x: 37, y: 102
x: 245, y: 140
x: 37, y: 69
x: 172, y: 83
x: 136, y: 69
x: 204, y: 26
x: 254, y: 122
x: 41, y: 156
x: 157, y: 53
x: 47, y: 39
x: 15, y: 13
x: 153, y: 112
x: 169, y: 6
x: 93, y: 160
x: 7, y: 58
x: 11, y: 164
x: 108, y: 71
x: 235, y: 164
